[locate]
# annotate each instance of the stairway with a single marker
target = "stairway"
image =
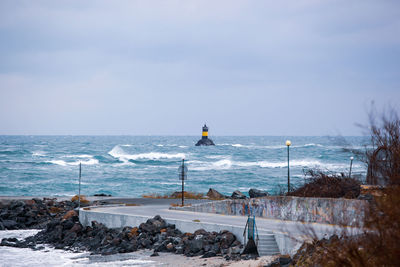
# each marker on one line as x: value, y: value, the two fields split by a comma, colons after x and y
x: 267, y: 245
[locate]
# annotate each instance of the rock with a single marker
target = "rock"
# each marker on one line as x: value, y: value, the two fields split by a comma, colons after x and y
x: 196, y: 244
x: 178, y: 250
x: 10, y: 224
x: 214, y: 194
x: 77, y: 228
x: 285, y: 260
x: 170, y: 247
x: 226, y: 240
x: 205, y: 142
x: 200, y: 232
x: 70, y: 214
x: 67, y: 224
x: 275, y: 263
x: 2, y: 226
x: 234, y: 250
x: 238, y: 195
x: 148, y: 228
x: 257, y: 193
x: 155, y: 254
x: 209, y: 254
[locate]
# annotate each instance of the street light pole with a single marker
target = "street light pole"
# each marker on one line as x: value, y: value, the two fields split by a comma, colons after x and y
x: 288, y: 143
x: 183, y: 182
x: 79, y: 190
x: 351, y: 165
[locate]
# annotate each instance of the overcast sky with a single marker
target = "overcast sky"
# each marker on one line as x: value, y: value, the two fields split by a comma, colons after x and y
x: 166, y: 67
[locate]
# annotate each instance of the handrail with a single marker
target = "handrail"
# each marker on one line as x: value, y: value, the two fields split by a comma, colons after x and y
x: 244, y: 232
x: 255, y: 225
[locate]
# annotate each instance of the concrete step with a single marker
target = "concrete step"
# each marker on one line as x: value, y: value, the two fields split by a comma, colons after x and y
x: 267, y: 245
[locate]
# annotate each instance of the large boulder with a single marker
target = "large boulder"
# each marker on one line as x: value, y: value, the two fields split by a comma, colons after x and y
x: 214, y: 194
x: 257, y: 193
x: 238, y: 195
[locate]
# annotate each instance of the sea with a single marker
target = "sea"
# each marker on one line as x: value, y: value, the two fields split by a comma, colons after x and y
x: 132, y: 166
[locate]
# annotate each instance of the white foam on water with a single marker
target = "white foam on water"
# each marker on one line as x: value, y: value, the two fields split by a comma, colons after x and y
x: 227, y: 163
x: 118, y: 152
x: 75, y: 163
x: 10, y: 256
x: 222, y: 164
x: 38, y: 154
x: 237, y: 145
x: 77, y: 156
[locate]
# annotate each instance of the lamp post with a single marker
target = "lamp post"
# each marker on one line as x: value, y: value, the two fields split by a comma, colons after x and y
x: 288, y: 143
x: 351, y: 164
x: 79, y: 190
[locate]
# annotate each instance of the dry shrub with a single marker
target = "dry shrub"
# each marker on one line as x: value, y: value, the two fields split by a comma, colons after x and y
x: 188, y: 195
x: 175, y: 195
x: 379, y: 242
x: 331, y: 185
x: 83, y: 199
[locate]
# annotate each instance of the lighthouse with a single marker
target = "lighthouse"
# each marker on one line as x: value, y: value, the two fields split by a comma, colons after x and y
x: 205, y: 141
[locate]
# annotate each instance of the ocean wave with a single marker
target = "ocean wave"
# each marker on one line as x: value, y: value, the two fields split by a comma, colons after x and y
x: 38, y: 154
x: 119, y: 153
x: 228, y: 163
x: 282, y: 146
x: 75, y: 163
x: 238, y: 145
x: 77, y: 156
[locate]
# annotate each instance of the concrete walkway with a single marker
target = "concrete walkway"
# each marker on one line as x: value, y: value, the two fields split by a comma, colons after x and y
x: 288, y: 234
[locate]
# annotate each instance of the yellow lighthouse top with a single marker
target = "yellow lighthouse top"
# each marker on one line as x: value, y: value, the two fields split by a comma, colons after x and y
x: 205, y: 130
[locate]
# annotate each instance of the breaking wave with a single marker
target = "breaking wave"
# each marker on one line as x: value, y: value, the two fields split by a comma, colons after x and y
x: 74, y: 163
x: 119, y: 153
x: 228, y: 164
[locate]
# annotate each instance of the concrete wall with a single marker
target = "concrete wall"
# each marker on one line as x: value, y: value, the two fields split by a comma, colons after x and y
x: 321, y: 210
x: 112, y: 220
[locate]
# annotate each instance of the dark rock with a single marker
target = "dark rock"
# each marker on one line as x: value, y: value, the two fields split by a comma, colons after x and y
x: 227, y: 239
x: 148, y: 228
x: 200, y: 232
x: 209, y: 254
x: 155, y: 254
x: 178, y: 250
x: 238, y: 195
x: 196, y: 244
x: 257, y: 193
x: 102, y: 195
x: 77, y: 228
x: 214, y: 194
x: 10, y: 224
x: 67, y: 224
x: 285, y: 260
x: 275, y: 263
x: 205, y: 142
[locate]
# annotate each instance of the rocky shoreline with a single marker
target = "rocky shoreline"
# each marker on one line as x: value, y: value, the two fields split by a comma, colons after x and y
x: 63, y: 230
x: 33, y: 213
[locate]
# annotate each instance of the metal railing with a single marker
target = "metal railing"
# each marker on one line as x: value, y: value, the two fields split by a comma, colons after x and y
x: 252, y: 231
